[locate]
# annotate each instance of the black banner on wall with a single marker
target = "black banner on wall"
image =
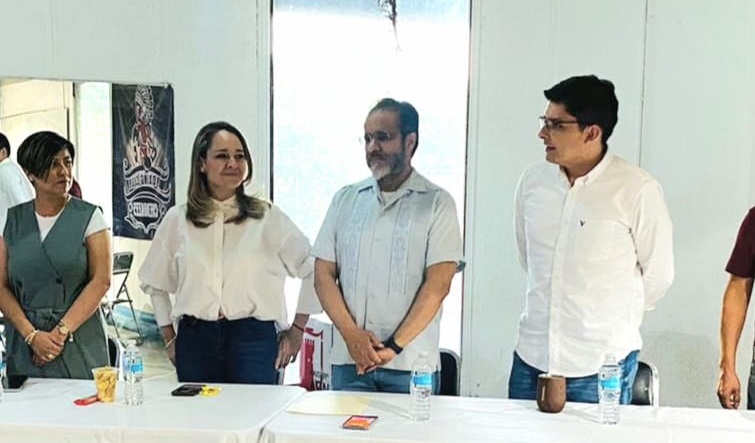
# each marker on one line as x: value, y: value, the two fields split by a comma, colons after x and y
x: 143, y: 159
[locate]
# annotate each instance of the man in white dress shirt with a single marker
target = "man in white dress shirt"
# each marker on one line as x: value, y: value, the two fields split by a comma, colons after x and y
x: 15, y: 187
x: 595, y: 239
x: 385, y: 257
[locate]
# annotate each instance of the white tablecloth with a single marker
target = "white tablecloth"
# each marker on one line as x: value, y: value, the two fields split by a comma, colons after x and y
x: 478, y: 420
x: 43, y: 412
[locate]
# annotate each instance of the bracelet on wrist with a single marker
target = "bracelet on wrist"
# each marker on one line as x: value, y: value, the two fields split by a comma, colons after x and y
x: 64, y: 330
x: 30, y: 338
x: 171, y: 341
x: 297, y: 327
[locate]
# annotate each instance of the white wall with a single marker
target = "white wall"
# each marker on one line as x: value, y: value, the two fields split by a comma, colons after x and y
x: 684, y: 76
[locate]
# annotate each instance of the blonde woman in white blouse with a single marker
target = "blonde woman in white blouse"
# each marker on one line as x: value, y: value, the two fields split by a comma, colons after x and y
x: 224, y: 257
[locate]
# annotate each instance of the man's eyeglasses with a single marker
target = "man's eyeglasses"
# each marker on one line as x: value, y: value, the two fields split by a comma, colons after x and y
x: 377, y: 136
x: 550, y: 124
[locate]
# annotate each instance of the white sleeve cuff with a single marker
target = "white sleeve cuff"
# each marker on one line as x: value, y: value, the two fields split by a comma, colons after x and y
x: 161, y: 305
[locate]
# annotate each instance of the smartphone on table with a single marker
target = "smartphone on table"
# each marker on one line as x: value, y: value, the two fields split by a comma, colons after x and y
x: 187, y: 390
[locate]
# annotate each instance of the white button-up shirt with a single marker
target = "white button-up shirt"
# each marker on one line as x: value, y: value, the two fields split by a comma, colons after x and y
x: 597, y: 255
x: 382, y: 248
x: 228, y: 269
x: 15, y: 188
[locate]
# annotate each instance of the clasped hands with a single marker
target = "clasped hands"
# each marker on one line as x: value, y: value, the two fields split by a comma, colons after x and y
x: 47, y: 346
x: 367, y: 351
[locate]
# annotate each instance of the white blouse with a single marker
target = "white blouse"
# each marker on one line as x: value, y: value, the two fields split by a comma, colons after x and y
x: 227, y: 269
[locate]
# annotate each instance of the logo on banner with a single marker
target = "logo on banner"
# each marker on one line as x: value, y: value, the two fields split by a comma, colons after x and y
x: 146, y: 173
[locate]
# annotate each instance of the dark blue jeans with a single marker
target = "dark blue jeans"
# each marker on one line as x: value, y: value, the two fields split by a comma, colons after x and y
x: 226, y: 351
x: 523, y: 382
x: 345, y: 378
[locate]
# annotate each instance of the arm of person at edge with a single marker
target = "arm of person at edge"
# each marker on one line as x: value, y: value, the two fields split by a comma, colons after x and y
x: 519, y: 228
x: 426, y: 304
x: 653, y: 241
x: 162, y: 306
x: 295, y: 256
x: 44, y: 344
x: 158, y: 275
x: 289, y: 341
x: 361, y: 343
x: 735, y: 302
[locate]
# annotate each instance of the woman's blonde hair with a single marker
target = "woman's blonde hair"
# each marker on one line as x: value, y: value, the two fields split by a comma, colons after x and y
x: 199, y: 206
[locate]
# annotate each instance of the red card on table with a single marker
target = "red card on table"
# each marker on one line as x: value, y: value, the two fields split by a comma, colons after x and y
x: 361, y: 422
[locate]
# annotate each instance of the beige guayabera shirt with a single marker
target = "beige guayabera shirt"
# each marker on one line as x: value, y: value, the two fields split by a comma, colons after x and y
x: 382, y: 249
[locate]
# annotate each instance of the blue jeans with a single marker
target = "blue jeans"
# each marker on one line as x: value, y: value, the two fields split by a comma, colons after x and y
x: 226, y: 351
x: 345, y: 378
x: 523, y: 382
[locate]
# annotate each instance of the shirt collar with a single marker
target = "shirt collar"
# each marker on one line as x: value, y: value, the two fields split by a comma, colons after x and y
x: 415, y: 182
x: 229, y: 208
x: 595, y: 172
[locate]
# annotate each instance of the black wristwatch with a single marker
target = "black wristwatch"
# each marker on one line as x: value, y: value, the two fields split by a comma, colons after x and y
x: 390, y: 343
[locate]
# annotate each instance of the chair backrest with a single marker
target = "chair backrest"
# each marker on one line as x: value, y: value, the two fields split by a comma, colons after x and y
x: 646, y: 385
x: 114, y: 352
x: 449, y: 372
x: 122, y: 262
x: 121, y: 267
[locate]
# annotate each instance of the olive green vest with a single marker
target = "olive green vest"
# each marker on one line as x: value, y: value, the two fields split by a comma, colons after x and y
x: 46, y: 277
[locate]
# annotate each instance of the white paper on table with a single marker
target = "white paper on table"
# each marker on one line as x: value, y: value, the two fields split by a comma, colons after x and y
x: 325, y: 403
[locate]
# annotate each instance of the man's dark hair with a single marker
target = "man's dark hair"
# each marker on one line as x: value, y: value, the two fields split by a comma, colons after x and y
x: 592, y: 101
x: 4, y: 144
x: 408, y: 118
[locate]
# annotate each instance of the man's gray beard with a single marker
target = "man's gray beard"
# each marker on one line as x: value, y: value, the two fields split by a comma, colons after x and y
x: 380, y: 170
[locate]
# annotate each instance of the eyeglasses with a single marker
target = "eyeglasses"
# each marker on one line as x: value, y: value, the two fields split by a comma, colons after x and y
x: 550, y: 124
x: 377, y: 136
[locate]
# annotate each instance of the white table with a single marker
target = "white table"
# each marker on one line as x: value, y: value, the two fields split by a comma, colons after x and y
x: 478, y: 420
x: 43, y: 411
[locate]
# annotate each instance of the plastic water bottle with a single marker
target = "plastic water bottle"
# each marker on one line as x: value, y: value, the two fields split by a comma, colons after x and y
x: 133, y: 368
x: 421, y: 388
x: 609, y: 390
x: 124, y: 373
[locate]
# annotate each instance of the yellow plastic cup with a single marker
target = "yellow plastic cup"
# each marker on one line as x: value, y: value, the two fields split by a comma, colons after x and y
x: 105, y: 379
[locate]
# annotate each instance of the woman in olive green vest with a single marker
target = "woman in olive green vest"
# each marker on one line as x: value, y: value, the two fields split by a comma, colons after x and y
x: 55, y: 265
